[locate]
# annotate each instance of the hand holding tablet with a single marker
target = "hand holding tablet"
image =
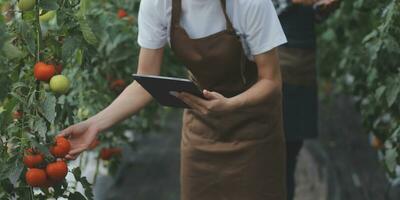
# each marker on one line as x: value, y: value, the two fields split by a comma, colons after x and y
x: 163, y: 89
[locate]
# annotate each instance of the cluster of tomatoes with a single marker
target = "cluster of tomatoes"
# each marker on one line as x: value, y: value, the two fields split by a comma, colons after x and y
x: 45, y: 174
x: 49, y: 73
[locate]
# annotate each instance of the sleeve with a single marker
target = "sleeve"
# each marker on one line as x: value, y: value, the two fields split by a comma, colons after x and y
x: 152, y: 25
x: 262, y: 28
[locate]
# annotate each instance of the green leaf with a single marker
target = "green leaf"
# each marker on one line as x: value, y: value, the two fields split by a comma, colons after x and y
x: 379, y: 92
x: 6, y: 115
x: 392, y: 92
x: 390, y: 159
x: 88, y: 188
x: 16, y: 170
x: 70, y: 45
x: 76, y: 196
x: 77, y: 173
x: 28, y: 35
x: 49, y: 107
x: 42, y: 148
x: 87, y: 31
x: 84, y: 4
x: 48, y: 4
x: 373, y: 34
x: 11, y: 51
x: 41, y: 127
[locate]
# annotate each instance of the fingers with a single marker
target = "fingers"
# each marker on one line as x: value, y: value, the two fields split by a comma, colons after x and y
x: 193, y: 101
x: 79, y: 145
x: 66, y: 132
x: 75, y: 152
x: 193, y: 104
x: 212, y: 95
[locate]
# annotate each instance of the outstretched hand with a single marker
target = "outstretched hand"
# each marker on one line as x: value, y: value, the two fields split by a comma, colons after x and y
x: 80, y: 136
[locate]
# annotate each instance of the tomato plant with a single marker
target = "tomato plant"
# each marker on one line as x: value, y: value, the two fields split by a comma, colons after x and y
x: 64, y: 61
x: 362, y: 60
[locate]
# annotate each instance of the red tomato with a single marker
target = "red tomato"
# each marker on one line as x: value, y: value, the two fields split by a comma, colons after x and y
x: 108, y: 153
x: 43, y: 72
x: 57, y: 171
x: 118, y: 85
x: 35, y: 177
x: 61, y: 147
x: 59, y: 68
x: 33, y: 159
x: 17, y: 114
x: 122, y: 13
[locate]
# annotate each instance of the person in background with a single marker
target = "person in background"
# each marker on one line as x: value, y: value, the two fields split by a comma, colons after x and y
x: 298, y: 66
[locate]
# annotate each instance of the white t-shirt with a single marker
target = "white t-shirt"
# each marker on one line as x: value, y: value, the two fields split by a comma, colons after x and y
x: 255, y: 21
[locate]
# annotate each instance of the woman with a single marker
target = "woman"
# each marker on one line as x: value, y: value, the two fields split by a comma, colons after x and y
x: 232, y: 143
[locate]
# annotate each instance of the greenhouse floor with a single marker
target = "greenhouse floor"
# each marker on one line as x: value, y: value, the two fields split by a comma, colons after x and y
x: 340, y: 165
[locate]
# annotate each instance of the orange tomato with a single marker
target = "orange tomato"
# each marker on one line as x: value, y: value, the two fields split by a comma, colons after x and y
x: 61, y: 147
x: 33, y: 159
x: 35, y: 177
x: 57, y: 171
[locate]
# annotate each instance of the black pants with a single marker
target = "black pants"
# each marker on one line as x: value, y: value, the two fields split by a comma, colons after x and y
x: 292, y: 150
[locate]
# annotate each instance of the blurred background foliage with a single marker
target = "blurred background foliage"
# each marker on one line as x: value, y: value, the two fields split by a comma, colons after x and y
x: 359, y: 55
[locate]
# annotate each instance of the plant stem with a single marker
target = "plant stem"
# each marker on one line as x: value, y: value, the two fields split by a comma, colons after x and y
x: 96, y: 173
x: 38, y: 32
x: 32, y: 195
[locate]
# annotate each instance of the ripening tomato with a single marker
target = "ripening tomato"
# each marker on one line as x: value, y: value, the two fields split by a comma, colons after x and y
x: 376, y: 143
x: 118, y: 85
x: 35, y: 177
x: 61, y: 147
x: 122, y: 13
x: 57, y: 171
x: 17, y: 114
x: 47, y: 16
x: 33, y: 159
x: 59, y: 84
x: 43, y: 71
x: 26, y: 5
x: 108, y: 153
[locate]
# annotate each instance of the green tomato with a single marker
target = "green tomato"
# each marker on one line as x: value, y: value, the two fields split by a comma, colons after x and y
x: 26, y: 5
x: 83, y: 113
x: 59, y: 84
x: 48, y: 16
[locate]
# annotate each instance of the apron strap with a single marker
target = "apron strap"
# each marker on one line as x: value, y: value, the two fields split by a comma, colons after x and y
x: 176, y: 13
x: 229, y: 25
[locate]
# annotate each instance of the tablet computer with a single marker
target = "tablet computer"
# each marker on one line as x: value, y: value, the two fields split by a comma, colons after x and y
x: 160, y: 87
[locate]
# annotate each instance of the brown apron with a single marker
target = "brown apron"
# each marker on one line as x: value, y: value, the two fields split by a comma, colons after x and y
x: 235, y: 156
